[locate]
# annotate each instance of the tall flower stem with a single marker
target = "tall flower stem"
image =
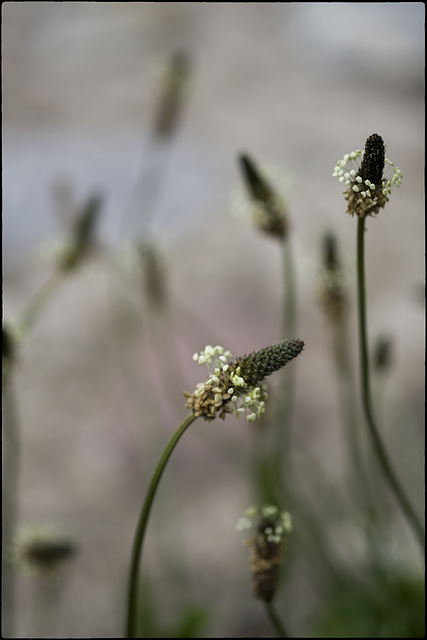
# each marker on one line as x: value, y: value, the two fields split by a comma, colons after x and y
x: 275, y: 621
x: 377, y: 443
x: 285, y: 406
x: 10, y: 482
x: 39, y: 301
x: 132, y: 603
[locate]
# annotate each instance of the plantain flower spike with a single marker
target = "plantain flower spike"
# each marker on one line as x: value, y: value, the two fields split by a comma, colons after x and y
x: 40, y: 550
x: 174, y: 82
x: 367, y: 189
x: 271, y: 528
x: 269, y: 210
x: 82, y: 240
x: 236, y: 386
x: 332, y: 293
x: 383, y: 354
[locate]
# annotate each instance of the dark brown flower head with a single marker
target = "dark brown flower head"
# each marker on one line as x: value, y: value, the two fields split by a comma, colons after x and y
x: 270, y: 210
x: 235, y: 386
x: 330, y: 252
x: 367, y: 190
x: 383, y: 354
x: 373, y: 162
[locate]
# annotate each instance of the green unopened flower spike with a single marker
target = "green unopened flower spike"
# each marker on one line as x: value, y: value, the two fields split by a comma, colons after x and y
x: 269, y: 211
x: 41, y: 550
x: 236, y: 386
x: 173, y: 87
x: 83, y: 235
x: 332, y: 291
x: 362, y: 172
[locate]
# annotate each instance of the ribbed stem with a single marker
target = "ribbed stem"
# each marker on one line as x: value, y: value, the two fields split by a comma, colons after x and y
x: 132, y: 603
x: 377, y: 443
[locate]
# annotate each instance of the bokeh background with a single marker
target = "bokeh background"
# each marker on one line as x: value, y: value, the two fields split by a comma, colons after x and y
x: 99, y: 381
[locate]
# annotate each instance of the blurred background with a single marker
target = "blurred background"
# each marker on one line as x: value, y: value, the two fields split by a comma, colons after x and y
x: 98, y: 384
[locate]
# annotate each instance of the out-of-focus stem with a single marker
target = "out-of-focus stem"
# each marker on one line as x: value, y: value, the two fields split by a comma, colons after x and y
x: 10, y: 475
x: 38, y: 303
x: 285, y: 408
x: 276, y: 621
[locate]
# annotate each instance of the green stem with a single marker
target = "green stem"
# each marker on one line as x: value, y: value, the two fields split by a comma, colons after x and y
x: 288, y: 376
x: 38, y: 302
x: 366, y: 395
x: 275, y: 621
x: 132, y: 610
x: 10, y: 482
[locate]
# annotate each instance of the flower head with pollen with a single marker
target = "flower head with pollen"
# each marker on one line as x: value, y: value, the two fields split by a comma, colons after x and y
x: 236, y: 386
x: 270, y: 527
x: 362, y: 172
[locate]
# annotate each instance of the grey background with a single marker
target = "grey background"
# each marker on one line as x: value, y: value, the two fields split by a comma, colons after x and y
x: 295, y: 85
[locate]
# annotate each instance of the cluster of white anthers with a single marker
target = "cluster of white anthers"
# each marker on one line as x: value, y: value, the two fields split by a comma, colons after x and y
x: 274, y: 523
x: 365, y: 197
x: 350, y: 176
x: 225, y: 390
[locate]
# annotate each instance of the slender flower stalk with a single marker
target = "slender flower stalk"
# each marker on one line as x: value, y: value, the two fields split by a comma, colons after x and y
x: 276, y: 622
x: 374, y: 433
x: 333, y: 298
x: 368, y: 191
x: 38, y: 303
x: 171, y: 98
x: 10, y: 482
x: 133, y: 595
x: 285, y: 408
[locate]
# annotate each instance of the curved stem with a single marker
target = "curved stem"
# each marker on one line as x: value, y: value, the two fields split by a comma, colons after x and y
x: 366, y: 394
x: 275, y: 621
x: 132, y: 610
